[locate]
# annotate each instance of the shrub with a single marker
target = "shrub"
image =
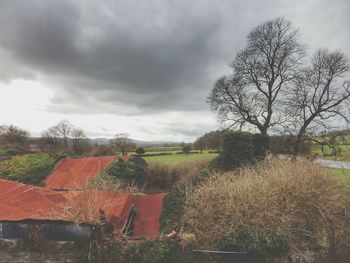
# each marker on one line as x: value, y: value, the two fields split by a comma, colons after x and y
x: 191, y: 173
x: 186, y: 148
x: 127, y: 171
x: 144, y: 251
x: 12, y: 151
x: 173, y: 208
x: 276, y: 206
x: 160, y: 176
x: 140, y: 150
x: 154, y: 154
x: 241, y: 148
x: 237, y: 150
x: 248, y: 238
x: 285, y: 145
x: 261, y: 145
x: 28, y: 168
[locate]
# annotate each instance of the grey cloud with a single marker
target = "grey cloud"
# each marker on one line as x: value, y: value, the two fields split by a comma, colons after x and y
x: 139, y: 57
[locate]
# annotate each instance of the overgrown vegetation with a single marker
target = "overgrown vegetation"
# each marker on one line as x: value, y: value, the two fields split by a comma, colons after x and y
x: 163, y: 176
x: 145, y: 251
x: 241, y: 148
x: 28, y: 168
x: 126, y: 171
x: 174, y: 208
x: 125, y: 176
x: 278, y: 206
x: 105, y: 182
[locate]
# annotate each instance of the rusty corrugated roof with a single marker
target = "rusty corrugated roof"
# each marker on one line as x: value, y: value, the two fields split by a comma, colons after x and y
x: 74, y: 173
x: 22, y: 202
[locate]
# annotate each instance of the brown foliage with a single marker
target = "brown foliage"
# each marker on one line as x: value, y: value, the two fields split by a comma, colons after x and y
x: 298, y: 200
x: 162, y: 176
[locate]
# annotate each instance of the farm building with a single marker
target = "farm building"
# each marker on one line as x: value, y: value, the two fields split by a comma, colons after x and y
x: 56, y: 212
x: 74, y: 173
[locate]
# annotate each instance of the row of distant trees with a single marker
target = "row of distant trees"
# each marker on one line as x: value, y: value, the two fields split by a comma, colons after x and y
x: 61, y: 138
x: 66, y: 138
x: 211, y: 141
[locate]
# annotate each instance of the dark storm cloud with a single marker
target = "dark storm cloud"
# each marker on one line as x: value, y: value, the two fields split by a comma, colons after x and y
x: 135, y: 57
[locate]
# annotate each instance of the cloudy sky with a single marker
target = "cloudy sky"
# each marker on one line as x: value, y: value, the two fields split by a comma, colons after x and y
x: 144, y: 67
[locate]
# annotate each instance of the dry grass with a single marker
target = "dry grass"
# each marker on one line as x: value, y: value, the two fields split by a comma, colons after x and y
x: 104, y: 182
x: 297, y: 200
x: 83, y: 207
x: 162, y: 176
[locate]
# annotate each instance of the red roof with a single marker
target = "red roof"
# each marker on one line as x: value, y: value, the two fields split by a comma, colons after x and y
x: 21, y: 202
x: 74, y: 173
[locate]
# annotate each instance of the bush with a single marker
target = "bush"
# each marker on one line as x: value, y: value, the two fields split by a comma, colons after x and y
x: 12, y: 152
x: 154, y: 154
x: 186, y: 148
x: 276, y: 206
x: 160, y: 176
x: 173, y: 208
x: 190, y: 152
x: 261, y: 145
x: 248, y: 238
x: 140, y: 150
x: 241, y: 148
x: 127, y: 171
x: 28, y: 168
x: 285, y: 145
x: 142, y: 251
x: 237, y: 150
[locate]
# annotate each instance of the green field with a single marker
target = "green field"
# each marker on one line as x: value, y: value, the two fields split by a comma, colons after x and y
x: 27, y: 168
x: 342, y: 146
x: 175, y: 159
x: 344, y: 174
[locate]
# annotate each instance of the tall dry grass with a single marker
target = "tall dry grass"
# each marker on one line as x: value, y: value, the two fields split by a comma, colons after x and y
x: 296, y: 200
x: 162, y: 176
x: 83, y: 207
x: 105, y: 182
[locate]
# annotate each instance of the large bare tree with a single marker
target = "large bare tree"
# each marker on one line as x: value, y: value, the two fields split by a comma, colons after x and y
x: 249, y: 96
x: 320, y: 94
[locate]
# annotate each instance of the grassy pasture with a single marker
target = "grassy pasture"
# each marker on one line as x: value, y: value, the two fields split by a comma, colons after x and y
x: 27, y: 168
x: 344, y: 152
x: 344, y: 174
x: 176, y: 159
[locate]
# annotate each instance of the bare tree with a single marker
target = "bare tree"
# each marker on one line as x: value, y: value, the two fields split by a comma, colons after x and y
x: 187, y: 148
x: 249, y: 97
x: 64, y: 129
x: 14, y: 136
x: 319, y: 95
x: 78, y: 138
x: 121, y: 141
x: 50, y: 140
x: 200, y: 143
